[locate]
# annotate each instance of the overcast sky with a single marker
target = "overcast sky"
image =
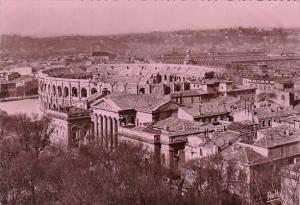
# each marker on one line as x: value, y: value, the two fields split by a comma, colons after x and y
x: 48, y: 18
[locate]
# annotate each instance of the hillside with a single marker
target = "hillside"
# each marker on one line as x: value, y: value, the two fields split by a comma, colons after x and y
x: 146, y: 44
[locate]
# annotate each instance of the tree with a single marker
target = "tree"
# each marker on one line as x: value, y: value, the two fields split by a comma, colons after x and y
x: 24, y: 170
x: 6, y: 124
x: 33, y: 133
x: 211, y: 181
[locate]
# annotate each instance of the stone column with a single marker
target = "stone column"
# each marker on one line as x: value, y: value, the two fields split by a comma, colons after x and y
x: 100, y: 128
x: 111, y: 137
x: 79, y: 91
x: 81, y: 140
x: 171, y: 159
x: 115, y: 132
x: 70, y: 93
x: 105, y: 131
x: 95, y: 132
x: 108, y: 133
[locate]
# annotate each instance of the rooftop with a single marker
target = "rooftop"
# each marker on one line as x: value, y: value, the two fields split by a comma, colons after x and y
x: 25, y: 78
x: 178, y: 127
x: 268, y: 112
x: 188, y: 93
x: 210, y: 81
x: 145, y: 103
x: 222, y: 140
x: 69, y: 113
x: 241, y: 127
x: 172, y: 124
x: 206, y: 108
x: 277, y: 136
x: 291, y: 119
x: 244, y: 155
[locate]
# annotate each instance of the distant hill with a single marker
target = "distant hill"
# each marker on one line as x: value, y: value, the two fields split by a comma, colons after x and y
x: 146, y: 44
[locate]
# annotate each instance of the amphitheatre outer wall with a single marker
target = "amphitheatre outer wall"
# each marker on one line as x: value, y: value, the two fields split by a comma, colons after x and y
x: 76, y: 86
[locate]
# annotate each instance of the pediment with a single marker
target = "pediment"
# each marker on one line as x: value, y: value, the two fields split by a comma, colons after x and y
x: 105, y: 105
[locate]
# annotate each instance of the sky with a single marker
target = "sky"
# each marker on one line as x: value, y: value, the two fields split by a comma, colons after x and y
x: 42, y: 18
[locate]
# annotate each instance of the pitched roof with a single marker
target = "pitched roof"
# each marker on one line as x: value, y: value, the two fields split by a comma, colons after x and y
x: 291, y: 119
x: 210, y: 81
x: 173, y: 124
x: 245, y: 155
x: 277, y: 136
x: 267, y: 112
x: 226, y: 100
x: 206, y: 108
x: 222, y: 140
x: 240, y: 127
x: 144, y: 103
x: 187, y: 93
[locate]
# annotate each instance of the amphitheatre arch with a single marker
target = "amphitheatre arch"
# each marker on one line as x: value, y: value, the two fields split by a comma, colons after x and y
x: 167, y: 90
x: 177, y: 88
x: 83, y: 92
x: 53, y: 90
x: 74, y: 92
x: 93, y: 91
x: 59, y: 91
x: 66, y: 92
x: 142, y: 91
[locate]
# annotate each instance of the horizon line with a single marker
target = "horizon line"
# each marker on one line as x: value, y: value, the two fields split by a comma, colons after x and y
x: 147, y: 32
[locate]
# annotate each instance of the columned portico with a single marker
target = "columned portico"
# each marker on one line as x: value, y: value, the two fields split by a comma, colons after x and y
x: 106, y: 130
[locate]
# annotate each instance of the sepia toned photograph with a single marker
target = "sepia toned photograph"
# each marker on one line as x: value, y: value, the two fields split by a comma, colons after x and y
x: 149, y: 102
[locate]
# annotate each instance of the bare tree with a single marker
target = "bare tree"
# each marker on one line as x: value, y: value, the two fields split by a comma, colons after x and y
x: 33, y: 133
